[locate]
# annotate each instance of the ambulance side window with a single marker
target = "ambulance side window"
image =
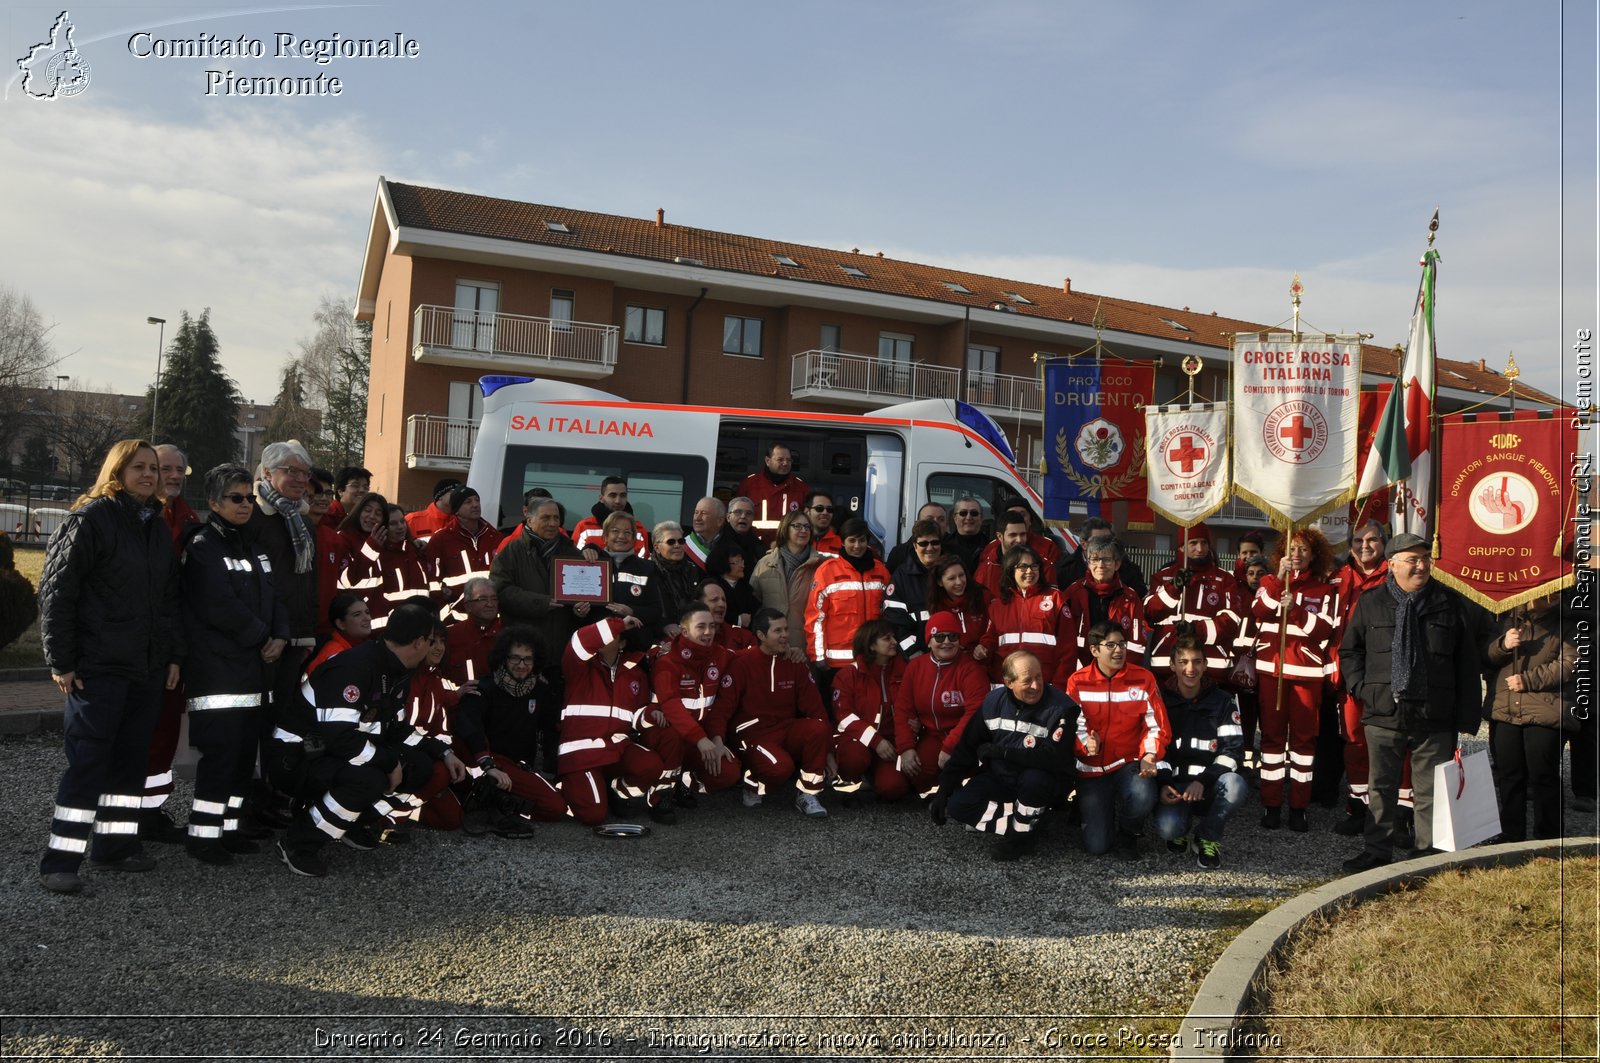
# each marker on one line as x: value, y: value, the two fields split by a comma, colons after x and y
x: 660, y: 486
x: 946, y: 488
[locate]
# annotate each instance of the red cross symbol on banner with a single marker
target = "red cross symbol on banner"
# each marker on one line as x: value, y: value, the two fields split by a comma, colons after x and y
x: 1297, y: 432
x: 1187, y: 453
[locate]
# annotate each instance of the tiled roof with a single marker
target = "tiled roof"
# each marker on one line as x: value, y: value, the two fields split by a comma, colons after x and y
x: 459, y: 212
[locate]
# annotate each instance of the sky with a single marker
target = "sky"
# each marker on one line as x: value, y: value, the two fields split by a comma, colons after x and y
x: 1187, y: 155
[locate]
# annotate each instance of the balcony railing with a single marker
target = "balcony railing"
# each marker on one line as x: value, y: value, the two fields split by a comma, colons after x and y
x: 517, y: 342
x: 434, y: 442
x: 838, y: 376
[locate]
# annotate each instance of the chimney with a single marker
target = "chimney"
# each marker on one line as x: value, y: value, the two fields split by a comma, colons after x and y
x: 1483, y: 367
x: 880, y: 254
x: 661, y: 217
x: 1066, y: 286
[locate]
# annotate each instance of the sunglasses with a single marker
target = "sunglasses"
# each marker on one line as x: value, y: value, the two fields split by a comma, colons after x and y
x: 236, y: 499
x: 969, y: 512
x: 672, y: 542
x: 928, y: 544
x: 822, y: 509
x: 943, y: 637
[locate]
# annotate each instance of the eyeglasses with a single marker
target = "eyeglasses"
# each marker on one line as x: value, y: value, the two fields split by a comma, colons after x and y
x: 672, y: 542
x: 518, y: 658
x: 484, y: 598
x: 1413, y: 562
x: 1027, y: 566
x: 797, y: 526
x: 1114, y: 647
x: 1101, y: 561
x: 294, y: 473
x: 944, y: 636
x: 928, y: 544
x: 822, y: 509
x: 741, y: 513
x: 236, y: 499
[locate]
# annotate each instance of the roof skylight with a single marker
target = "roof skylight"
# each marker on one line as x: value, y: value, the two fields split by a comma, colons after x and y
x: 853, y: 271
x: 557, y: 227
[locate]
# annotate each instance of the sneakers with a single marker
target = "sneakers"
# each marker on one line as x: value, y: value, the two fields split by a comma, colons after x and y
x: 131, y: 864
x: 664, y: 813
x: 65, y: 882
x: 156, y: 826
x: 1297, y: 821
x: 1126, y: 847
x: 1209, y: 855
x: 1363, y: 861
x: 509, y: 825
x: 1178, y: 845
x: 303, y: 861
x: 808, y: 804
x: 209, y: 851
x: 1353, y: 821
x: 1014, y: 846
x: 239, y: 845
x: 1271, y: 818
x: 360, y: 839
x: 750, y: 798
x: 684, y: 795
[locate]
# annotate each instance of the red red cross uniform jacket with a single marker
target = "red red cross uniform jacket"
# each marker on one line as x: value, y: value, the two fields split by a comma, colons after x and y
x: 1124, y: 710
x: 467, y: 646
x: 772, y: 500
x: 385, y: 578
x: 841, y: 600
x: 605, y: 703
x: 863, y: 702
x: 455, y: 555
x: 1123, y: 607
x: 779, y: 724
x: 694, y: 687
x: 1210, y: 602
x: 1036, y: 620
x: 941, y: 695
x: 986, y: 573
x: 1312, y: 620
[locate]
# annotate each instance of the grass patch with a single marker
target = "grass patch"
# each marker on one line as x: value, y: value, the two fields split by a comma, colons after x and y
x: 28, y: 650
x: 1469, y: 964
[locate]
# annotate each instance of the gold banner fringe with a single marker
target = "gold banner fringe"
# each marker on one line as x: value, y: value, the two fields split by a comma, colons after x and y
x: 1283, y: 523
x: 1503, y: 606
x: 1213, y: 511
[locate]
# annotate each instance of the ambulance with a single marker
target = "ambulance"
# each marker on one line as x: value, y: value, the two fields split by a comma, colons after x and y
x: 881, y: 466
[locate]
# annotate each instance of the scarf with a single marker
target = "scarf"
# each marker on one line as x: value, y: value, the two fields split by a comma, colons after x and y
x: 304, y: 546
x: 791, y: 561
x: 1408, y: 676
x: 516, y: 688
x: 862, y: 564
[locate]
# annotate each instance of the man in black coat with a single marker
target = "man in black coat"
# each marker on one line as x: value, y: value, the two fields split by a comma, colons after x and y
x: 1410, y: 657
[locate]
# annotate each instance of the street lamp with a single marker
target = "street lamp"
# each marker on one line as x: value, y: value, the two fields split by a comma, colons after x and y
x: 155, y: 396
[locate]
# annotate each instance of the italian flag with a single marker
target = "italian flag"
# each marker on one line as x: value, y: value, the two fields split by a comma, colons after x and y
x: 1402, y: 448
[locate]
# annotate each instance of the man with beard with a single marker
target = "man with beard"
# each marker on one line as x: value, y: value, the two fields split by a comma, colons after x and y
x: 613, y: 499
x: 968, y: 538
x: 1193, y: 595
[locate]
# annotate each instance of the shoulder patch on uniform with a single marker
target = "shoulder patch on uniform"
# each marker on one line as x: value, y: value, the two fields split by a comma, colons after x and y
x: 1028, y: 741
x: 352, y: 693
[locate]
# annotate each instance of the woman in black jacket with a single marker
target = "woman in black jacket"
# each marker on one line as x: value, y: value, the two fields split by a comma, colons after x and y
x: 235, y: 626
x: 109, y: 619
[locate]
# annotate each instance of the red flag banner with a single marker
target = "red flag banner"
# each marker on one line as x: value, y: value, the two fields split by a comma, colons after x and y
x: 1376, y: 505
x: 1506, y: 505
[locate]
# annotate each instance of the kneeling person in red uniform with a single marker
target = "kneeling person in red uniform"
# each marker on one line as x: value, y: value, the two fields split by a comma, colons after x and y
x: 941, y: 690
x: 779, y: 721
x: 694, y: 691
x: 608, y: 691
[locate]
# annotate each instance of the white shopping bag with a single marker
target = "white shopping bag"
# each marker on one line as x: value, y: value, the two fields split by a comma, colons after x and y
x: 1465, y: 810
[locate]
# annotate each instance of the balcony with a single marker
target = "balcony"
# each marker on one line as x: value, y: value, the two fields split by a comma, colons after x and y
x: 439, y: 443
x: 513, y: 343
x: 861, y: 379
x: 1002, y: 394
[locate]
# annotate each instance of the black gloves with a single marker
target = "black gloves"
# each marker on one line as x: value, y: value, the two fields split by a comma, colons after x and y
x: 936, y: 808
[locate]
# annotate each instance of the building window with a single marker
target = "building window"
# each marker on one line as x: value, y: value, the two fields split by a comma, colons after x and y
x: 561, y: 304
x: 476, y: 304
x: 741, y: 336
x: 832, y: 338
x: 894, y: 362
x: 644, y: 324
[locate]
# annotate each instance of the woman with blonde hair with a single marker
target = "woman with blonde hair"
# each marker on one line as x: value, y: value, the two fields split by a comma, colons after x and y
x: 782, y: 578
x: 1297, y: 613
x: 112, y: 638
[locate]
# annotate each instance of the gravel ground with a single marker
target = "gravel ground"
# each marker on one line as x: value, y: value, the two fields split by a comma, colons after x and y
x: 735, y: 933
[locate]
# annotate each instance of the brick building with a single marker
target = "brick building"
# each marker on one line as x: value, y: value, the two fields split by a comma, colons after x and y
x: 457, y: 286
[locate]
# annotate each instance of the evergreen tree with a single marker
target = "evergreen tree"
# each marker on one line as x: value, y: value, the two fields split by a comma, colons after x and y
x: 289, y: 418
x: 199, y: 404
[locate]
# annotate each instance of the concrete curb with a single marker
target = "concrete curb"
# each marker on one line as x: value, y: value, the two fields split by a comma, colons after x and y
x: 24, y: 675
x: 1214, y: 1027
x: 28, y: 722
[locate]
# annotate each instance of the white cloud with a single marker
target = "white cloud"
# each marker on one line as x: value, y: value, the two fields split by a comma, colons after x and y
x: 113, y: 217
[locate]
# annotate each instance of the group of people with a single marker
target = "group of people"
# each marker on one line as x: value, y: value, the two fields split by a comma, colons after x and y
x: 350, y: 669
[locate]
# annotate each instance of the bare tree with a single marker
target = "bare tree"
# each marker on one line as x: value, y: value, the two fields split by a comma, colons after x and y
x: 26, y: 358
x: 84, y: 425
x: 335, y: 365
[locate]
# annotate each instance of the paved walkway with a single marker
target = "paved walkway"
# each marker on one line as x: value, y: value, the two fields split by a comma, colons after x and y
x: 28, y: 704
